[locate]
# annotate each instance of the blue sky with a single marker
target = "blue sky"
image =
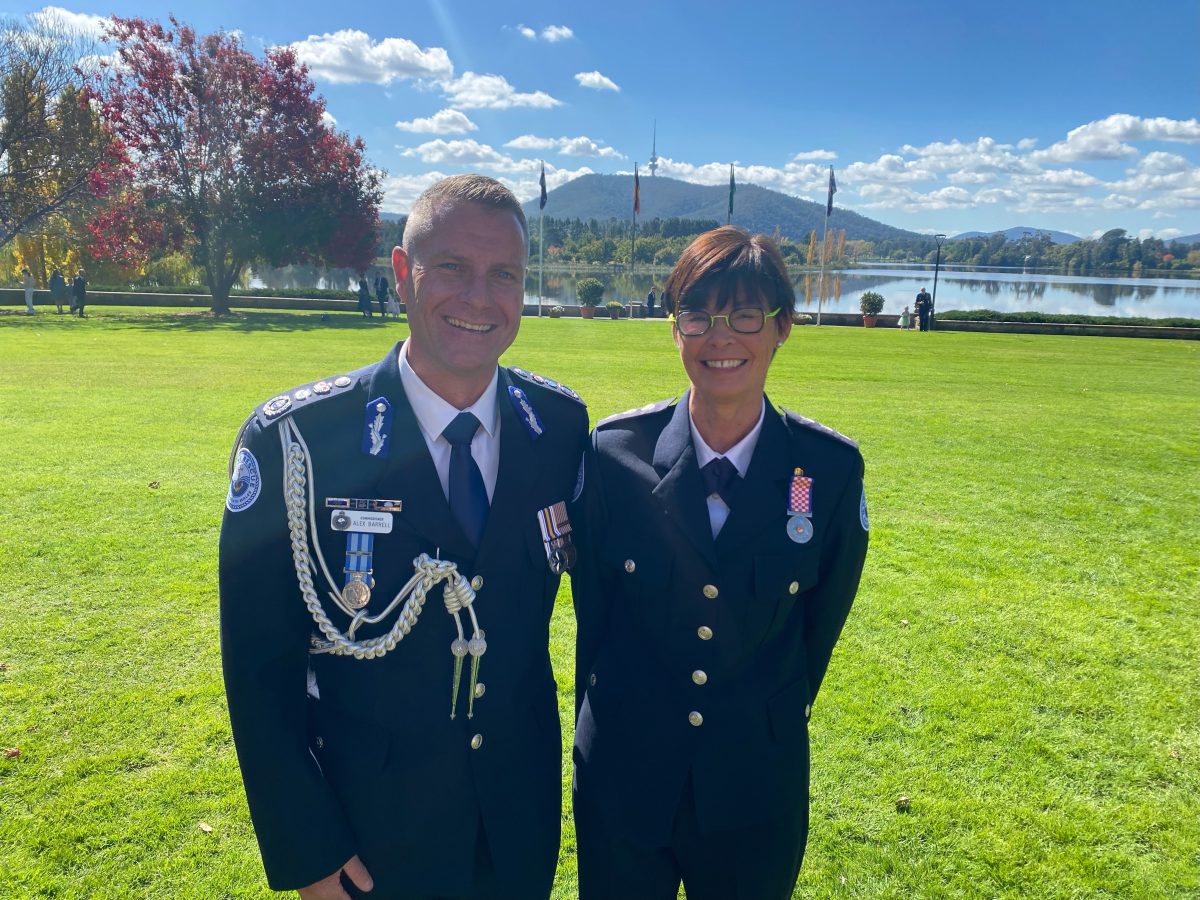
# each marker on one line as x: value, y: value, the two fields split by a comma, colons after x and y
x: 1079, y: 116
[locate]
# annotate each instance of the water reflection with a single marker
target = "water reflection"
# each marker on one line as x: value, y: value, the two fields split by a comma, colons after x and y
x: 839, y: 290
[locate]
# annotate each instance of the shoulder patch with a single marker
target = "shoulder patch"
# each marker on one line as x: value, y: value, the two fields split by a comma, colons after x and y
x: 245, y: 482
x: 305, y: 395
x: 814, y: 425
x: 646, y: 410
x: 548, y: 383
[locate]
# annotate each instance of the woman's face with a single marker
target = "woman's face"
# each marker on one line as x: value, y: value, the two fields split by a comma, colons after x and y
x: 726, y: 366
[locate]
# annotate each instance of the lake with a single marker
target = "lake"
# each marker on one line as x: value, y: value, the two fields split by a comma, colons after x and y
x: 979, y: 289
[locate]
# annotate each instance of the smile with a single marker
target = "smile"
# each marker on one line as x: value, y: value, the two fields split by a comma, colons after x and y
x: 724, y: 363
x: 469, y: 326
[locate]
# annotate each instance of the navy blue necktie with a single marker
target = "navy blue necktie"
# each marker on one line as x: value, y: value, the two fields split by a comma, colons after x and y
x: 720, y: 478
x: 468, y: 495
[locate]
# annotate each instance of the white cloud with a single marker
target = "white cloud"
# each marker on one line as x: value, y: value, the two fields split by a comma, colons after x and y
x: 888, y: 169
x: 328, y: 119
x: 399, y: 191
x: 473, y: 91
x: 1164, y: 234
x: 815, y: 154
x: 445, y: 121
x: 1107, y: 138
x: 350, y: 57
x: 1026, y: 143
x: 596, y: 81
x: 551, y: 34
x: 567, y: 146
x: 81, y: 23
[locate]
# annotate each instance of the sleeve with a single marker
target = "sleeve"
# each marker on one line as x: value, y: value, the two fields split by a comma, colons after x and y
x: 588, y: 591
x: 841, y: 568
x: 265, y: 628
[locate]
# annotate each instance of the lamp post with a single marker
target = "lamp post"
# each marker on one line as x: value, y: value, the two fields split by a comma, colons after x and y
x: 938, y: 238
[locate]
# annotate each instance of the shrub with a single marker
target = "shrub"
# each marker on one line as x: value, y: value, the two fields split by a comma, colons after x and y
x: 871, y: 303
x: 589, y: 291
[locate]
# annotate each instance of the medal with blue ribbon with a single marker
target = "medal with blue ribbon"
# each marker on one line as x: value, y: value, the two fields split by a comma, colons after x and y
x: 799, y: 526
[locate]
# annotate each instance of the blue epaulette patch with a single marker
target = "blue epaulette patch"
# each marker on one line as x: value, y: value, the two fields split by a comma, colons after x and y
x: 640, y: 411
x: 305, y: 395
x: 548, y: 383
x: 817, y: 426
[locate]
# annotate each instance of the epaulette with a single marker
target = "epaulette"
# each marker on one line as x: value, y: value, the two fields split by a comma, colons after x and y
x: 814, y: 425
x: 305, y: 395
x: 640, y: 411
x: 549, y: 383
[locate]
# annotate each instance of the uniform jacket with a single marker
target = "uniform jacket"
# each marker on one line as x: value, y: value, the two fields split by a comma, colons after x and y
x: 739, y: 630
x: 376, y: 766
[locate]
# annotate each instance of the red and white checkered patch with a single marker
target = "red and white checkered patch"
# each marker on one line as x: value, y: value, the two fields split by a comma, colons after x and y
x: 801, y: 495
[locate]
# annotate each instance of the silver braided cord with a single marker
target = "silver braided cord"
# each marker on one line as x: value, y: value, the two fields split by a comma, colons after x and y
x: 299, y: 497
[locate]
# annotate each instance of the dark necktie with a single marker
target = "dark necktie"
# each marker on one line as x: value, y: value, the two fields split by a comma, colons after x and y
x: 468, y: 495
x: 720, y: 478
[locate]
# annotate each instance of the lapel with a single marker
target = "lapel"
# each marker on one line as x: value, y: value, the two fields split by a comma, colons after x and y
x: 762, y: 497
x: 681, y: 489
x: 408, y: 473
x: 516, y: 478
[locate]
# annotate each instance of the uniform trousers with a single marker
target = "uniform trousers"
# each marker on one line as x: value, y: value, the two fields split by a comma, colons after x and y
x: 759, y: 862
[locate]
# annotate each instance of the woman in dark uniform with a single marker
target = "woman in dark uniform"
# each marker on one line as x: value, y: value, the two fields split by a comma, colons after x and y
x: 721, y: 546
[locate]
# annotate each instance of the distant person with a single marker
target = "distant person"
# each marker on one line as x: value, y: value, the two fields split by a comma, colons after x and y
x: 27, y: 283
x: 381, y: 294
x: 650, y: 300
x: 364, y: 297
x: 79, y: 292
x: 924, y: 308
x: 393, y: 305
x: 58, y: 290
x: 905, y: 320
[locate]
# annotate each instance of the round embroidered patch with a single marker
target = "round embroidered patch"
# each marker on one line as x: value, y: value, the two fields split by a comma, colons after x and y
x: 579, y: 481
x: 246, y: 483
x: 862, y: 510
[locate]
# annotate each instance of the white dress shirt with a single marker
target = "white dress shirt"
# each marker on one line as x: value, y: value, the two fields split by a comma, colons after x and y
x: 739, y: 454
x: 434, y: 414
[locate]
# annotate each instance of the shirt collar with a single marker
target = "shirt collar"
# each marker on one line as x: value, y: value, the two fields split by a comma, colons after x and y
x: 739, y: 454
x: 434, y: 414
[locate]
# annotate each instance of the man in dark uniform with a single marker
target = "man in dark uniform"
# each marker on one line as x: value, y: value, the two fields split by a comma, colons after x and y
x: 722, y: 544
x: 385, y: 615
x: 924, y: 308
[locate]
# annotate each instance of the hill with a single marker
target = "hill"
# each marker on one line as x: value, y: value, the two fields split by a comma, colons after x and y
x: 1018, y: 231
x: 755, y: 208
x: 1185, y: 239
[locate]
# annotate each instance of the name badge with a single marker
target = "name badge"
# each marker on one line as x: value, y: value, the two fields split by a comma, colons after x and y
x: 361, y: 522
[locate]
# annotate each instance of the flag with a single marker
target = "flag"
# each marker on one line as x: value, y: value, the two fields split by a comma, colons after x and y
x: 732, y: 190
x: 832, y: 191
x: 637, y: 192
x: 542, y: 202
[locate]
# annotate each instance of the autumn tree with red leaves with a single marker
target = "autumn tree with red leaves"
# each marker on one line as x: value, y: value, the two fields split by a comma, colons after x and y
x: 231, y: 158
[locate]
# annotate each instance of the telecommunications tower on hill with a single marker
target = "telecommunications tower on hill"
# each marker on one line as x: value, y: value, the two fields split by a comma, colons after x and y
x: 654, y: 150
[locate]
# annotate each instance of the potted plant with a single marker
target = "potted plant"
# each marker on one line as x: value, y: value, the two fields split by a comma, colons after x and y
x: 871, y: 305
x: 556, y: 312
x: 589, y: 291
x: 614, y: 309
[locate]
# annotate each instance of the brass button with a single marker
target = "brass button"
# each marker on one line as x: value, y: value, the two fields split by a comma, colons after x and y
x: 710, y: 591
x: 477, y: 742
x: 630, y: 566
x: 704, y: 632
x: 320, y: 742
x: 480, y: 688
x: 794, y: 587
x: 807, y: 710
x: 695, y: 718
x: 592, y: 680
x: 477, y: 582
x: 700, y: 676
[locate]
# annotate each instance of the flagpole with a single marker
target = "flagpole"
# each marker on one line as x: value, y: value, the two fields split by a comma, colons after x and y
x: 821, y: 290
x: 633, y: 231
x: 541, y: 256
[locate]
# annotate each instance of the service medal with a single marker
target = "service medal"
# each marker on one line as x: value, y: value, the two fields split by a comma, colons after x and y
x: 356, y: 593
x: 800, y: 529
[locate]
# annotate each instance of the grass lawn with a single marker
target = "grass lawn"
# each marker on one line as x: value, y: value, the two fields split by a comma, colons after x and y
x: 1022, y: 661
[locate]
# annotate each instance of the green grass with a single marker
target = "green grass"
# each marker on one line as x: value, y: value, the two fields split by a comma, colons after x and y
x: 1021, y: 661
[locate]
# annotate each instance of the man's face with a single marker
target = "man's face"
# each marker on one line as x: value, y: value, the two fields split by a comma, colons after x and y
x: 464, y: 287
